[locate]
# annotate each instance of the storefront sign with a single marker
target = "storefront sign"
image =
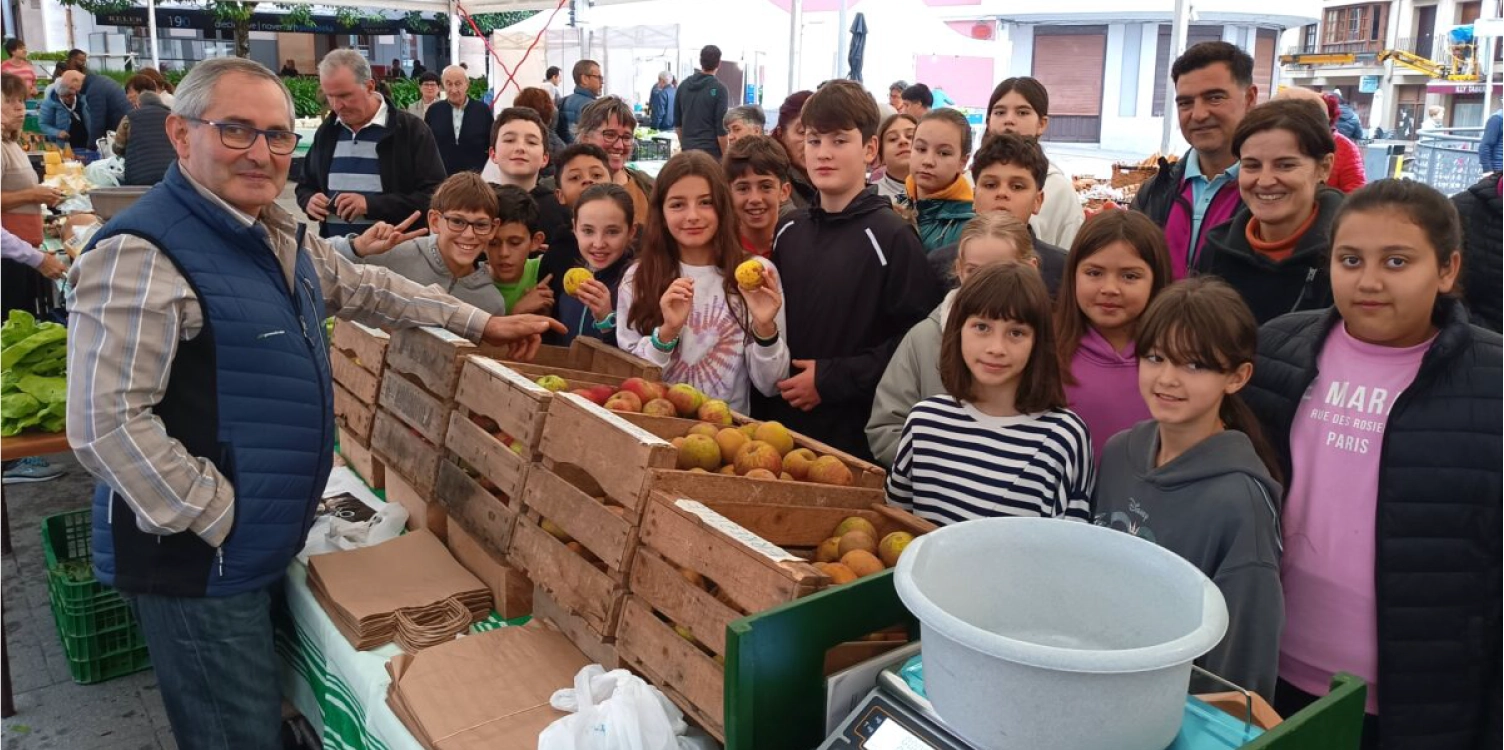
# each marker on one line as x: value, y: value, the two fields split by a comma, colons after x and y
x: 1368, y: 84
x: 1446, y: 87
x: 206, y: 21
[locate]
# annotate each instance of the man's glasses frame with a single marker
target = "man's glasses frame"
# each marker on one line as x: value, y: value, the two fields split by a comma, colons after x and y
x: 240, y: 136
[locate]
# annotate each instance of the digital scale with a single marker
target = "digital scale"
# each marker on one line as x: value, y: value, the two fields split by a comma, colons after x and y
x: 892, y: 716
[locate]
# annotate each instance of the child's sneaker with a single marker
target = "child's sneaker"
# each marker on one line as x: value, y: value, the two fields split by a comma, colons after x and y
x: 31, y: 469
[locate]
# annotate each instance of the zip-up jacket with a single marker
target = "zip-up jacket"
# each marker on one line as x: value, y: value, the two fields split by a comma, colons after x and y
x: 576, y: 317
x: 1273, y: 288
x: 411, y: 169
x: 854, y: 282
x: 1437, y: 529
x: 420, y: 260
x: 1479, y: 207
x: 1166, y: 199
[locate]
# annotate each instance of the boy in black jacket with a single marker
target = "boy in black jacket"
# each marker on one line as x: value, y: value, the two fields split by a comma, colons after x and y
x: 855, y: 278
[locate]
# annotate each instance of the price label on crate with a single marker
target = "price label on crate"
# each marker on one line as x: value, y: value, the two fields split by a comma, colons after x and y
x: 738, y: 532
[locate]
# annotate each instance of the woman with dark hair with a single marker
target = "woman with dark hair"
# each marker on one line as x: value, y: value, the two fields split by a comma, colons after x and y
x: 17, y: 65
x: 1274, y: 249
x: 608, y: 122
x: 790, y: 133
x: 1022, y: 106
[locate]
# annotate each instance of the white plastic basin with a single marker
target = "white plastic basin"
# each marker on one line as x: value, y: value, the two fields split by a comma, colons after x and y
x: 1045, y: 633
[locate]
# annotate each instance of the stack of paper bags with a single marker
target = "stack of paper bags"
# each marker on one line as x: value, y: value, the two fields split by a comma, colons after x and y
x: 484, y: 691
x: 362, y: 589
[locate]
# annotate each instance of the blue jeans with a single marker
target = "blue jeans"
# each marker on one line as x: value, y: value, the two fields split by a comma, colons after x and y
x: 216, y: 667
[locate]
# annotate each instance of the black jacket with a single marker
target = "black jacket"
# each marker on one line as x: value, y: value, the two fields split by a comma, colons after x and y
x: 148, y: 152
x: 854, y: 283
x: 1156, y: 197
x: 1051, y: 264
x: 410, y: 168
x: 700, y: 112
x: 562, y: 256
x: 107, y: 106
x: 1437, y: 566
x: 1271, y: 289
x: 553, y: 218
x: 1482, y: 268
x: 467, y: 151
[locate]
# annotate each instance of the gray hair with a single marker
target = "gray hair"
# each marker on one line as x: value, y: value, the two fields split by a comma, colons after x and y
x: 663, y: 76
x: 196, y: 91
x: 750, y: 114
x: 350, y: 60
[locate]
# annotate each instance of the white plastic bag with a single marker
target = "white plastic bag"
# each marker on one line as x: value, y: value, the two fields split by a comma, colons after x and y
x: 613, y: 710
x: 330, y: 534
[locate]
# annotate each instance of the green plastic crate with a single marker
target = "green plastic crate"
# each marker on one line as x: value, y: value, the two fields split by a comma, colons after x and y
x: 100, y: 635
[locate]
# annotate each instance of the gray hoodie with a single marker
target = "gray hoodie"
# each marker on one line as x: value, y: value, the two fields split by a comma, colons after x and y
x: 420, y: 261
x: 1216, y: 506
x: 913, y: 375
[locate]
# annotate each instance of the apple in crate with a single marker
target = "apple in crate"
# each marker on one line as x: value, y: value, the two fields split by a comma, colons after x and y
x: 659, y: 407
x: 645, y: 390
x: 624, y: 401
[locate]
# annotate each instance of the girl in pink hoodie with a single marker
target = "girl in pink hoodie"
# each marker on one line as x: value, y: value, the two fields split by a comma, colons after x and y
x: 1117, y: 265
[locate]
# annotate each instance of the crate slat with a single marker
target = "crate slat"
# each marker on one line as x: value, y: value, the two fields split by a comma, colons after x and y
x: 354, y: 414
x: 601, y: 650
x: 360, y: 458
x: 425, y: 412
x: 484, y: 515
x: 404, y: 452
x: 691, y: 678
x: 467, y: 442
x: 608, y: 535
x: 360, y: 382
x: 574, y: 584
x: 498, y: 392
x: 614, y: 452
x: 368, y: 345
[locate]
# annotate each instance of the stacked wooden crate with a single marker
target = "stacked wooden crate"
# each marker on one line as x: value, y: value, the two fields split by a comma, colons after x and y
x: 357, y: 361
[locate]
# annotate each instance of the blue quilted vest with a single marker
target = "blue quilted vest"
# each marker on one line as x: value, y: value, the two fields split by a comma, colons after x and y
x: 251, y: 393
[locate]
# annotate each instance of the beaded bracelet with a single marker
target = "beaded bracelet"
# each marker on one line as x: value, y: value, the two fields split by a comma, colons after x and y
x: 664, y: 346
x: 607, y: 324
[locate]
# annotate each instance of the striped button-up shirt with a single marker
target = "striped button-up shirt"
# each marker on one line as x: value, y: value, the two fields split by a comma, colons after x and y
x: 128, y: 309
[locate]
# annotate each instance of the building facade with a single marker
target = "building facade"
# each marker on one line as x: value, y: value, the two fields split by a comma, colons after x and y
x: 1393, y: 60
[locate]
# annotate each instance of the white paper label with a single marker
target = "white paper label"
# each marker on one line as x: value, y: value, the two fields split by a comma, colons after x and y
x: 738, y: 532
x: 891, y: 735
x: 508, y: 374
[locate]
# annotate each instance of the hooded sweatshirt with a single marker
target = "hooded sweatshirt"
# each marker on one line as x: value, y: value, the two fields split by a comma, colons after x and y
x: 1105, y: 395
x: 421, y: 261
x: 913, y: 375
x: 854, y: 282
x: 1216, y: 506
x: 1273, y: 288
x: 700, y: 113
x: 942, y: 216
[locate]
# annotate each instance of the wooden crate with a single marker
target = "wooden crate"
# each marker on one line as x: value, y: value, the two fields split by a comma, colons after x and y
x: 592, y: 588
x: 423, y: 511
x: 588, y: 355
x: 511, y: 591
x: 599, y: 649
x: 615, y: 453
x: 743, y: 549
x: 353, y: 415
x: 357, y: 361
x: 361, y: 460
x: 404, y: 451
x: 488, y: 516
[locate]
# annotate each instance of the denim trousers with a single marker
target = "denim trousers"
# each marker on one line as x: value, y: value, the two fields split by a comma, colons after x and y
x: 216, y: 667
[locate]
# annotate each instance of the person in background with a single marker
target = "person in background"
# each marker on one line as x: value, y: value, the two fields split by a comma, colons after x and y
x: 461, y: 126
x: 1435, y: 115
x: 289, y: 69
x: 1274, y: 249
x: 418, y: 69
x: 519, y: 151
x: 541, y: 101
x: 601, y: 242
x: 855, y: 278
x: 142, y: 141
x: 1022, y: 105
x: 137, y: 84
x: 510, y: 253
x: 937, y: 187
x: 462, y: 219
x: 895, y: 96
x: 741, y: 122
x: 1385, y: 414
x: 1491, y: 145
x: 680, y: 304
x: 1114, y: 271
x: 913, y: 374
x: 429, y: 89
x: 164, y: 87
x: 790, y: 133
x: 369, y: 161
x: 758, y: 170
x: 700, y: 107
x: 1347, y: 118
x: 1214, y: 89
x: 211, y: 435
x: 108, y: 105
x: 395, y: 71
x: 580, y: 166
x: 588, y: 84
x: 1198, y: 478
x: 551, y: 81
x: 917, y: 101
x: 17, y: 65
x: 895, y: 142
x: 64, y: 115
x: 78, y: 60
x: 609, y: 123
x: 1348, y: 173
x: 661, y: 102
x: 1481, y: 212
x: 1009, y: 173
x: 1025, y: 454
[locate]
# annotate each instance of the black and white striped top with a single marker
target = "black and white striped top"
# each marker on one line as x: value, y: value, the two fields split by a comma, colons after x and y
x: 955, y: 464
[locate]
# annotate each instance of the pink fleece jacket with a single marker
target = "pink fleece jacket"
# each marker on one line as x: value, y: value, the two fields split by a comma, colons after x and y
x: 1106, y: 391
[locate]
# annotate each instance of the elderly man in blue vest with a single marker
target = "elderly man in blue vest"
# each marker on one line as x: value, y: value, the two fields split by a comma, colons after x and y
x: 199, y: 394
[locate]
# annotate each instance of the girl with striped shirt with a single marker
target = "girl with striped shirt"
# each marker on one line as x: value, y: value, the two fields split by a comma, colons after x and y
x: 1000, y: 441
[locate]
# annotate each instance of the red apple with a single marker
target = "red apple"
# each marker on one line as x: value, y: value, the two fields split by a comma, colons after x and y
x: 601, y: 392
x: 591, y: 395
x: 624, y: 401
x: 644, y: 390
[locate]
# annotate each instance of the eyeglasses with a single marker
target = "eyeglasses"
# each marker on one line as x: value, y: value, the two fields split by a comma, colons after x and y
x: 237, y: 136
x: 458, y: 225
x: 591, y: 75
x: 609, y: 137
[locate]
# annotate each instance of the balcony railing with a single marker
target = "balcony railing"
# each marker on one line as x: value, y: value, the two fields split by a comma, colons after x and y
x: 1372, y: 45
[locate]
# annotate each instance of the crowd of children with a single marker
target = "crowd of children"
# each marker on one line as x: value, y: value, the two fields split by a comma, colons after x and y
x: 917, y: 308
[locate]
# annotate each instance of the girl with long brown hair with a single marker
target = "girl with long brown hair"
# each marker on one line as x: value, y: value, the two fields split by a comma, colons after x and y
x: 680, y: 305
